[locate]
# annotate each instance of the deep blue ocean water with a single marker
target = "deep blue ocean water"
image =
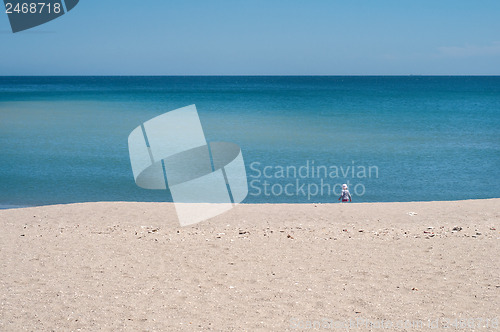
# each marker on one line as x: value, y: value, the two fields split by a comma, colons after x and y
x: 64, y: 139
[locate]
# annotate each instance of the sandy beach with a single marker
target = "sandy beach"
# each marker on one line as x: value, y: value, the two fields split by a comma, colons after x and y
x: 121, y: 265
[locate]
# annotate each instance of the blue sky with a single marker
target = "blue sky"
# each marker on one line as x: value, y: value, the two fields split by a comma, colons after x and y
x: 238, y: 37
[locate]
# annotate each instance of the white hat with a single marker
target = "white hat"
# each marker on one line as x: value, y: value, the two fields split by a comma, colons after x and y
x: 344, y: 186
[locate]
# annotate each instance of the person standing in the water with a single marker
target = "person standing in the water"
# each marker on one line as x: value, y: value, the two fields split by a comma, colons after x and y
x: 345, y: 195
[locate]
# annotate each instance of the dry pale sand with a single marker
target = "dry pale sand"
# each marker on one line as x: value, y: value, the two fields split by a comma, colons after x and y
x: 116, y: 266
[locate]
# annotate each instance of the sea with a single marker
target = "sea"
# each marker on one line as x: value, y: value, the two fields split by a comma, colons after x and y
x: 389, y: 138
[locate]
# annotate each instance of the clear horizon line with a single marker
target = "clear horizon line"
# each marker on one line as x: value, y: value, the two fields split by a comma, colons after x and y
x: 263, y: 75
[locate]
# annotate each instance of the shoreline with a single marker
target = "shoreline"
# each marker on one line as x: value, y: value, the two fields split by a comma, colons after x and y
x: 15, y: 206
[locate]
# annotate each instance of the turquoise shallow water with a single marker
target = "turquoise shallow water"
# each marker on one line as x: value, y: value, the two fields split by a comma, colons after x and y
x: 64, y: 139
